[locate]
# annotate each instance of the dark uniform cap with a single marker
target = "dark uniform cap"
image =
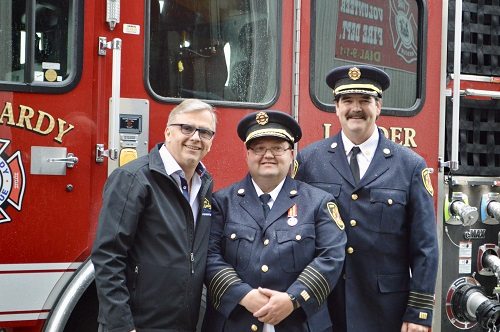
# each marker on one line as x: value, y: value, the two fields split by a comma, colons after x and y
x: 358, y: 79
x: 269, y: 124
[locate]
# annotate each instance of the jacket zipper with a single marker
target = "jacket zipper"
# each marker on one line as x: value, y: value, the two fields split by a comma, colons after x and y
x: 136, y: 272
x: 192, y: 263
x: 203, y: 191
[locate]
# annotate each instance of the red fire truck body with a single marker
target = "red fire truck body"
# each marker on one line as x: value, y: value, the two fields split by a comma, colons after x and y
x: 86, y: 86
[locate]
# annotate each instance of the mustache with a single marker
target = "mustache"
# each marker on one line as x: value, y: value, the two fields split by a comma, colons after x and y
x: 356, y: 114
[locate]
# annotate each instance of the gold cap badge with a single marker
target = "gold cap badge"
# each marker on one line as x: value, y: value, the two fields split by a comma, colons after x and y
x: 262, y: 118
x: 354, y: 73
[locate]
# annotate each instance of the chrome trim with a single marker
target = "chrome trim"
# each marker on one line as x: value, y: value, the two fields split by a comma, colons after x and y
x: 62, y: 310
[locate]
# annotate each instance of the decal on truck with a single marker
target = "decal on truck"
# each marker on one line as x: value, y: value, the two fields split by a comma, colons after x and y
x: 40, y: 122
x: 12, y: 181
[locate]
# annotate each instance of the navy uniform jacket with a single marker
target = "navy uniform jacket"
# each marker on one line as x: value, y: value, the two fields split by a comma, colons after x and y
x: 247, y: 252
x: 390, y: 225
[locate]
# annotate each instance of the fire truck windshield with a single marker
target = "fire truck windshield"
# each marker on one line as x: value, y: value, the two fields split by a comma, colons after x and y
x: 204, y: 50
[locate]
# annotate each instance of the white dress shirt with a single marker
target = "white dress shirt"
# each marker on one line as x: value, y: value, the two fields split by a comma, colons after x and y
x: 175, y: 171
x: 367, y: 152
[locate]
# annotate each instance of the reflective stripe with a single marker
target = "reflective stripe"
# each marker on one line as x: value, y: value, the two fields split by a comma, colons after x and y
x: 30, y: 290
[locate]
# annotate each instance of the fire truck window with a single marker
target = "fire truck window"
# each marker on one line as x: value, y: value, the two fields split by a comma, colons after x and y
x: 214, y: 50
x: 11, y: 40
x: 38, y: 41
x: 381, y: 33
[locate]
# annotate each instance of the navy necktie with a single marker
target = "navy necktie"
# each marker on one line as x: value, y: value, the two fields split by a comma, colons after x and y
x: 353, y: 163
x: 264, y: 198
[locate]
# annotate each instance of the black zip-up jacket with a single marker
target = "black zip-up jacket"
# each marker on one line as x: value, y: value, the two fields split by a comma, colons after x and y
x: 148, y: 257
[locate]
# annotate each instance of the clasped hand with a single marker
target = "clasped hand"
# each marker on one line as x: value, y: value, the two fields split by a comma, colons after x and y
x: 269, y: 306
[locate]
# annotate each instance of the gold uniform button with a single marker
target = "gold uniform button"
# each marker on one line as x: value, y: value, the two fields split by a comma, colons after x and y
x: 233, y: 236
x: 354, y: 197
x: 389, y: 201
x: 353, y: 222
x: 350, y: 250
x: 264, y: 268
x: 266, y: 242
x: 298, y: 237
x: 254, y: 327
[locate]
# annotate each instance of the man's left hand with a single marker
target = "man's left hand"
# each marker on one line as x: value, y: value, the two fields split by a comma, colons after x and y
x: 411, y: 327
x: 278, y: 308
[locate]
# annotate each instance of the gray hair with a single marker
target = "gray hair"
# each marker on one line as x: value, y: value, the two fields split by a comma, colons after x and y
x: 191, y: 105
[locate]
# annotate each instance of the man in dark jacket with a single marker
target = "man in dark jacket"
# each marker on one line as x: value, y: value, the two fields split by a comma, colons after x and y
x: 276, y: 244
x: 150, y: 250
x: 385, y: 197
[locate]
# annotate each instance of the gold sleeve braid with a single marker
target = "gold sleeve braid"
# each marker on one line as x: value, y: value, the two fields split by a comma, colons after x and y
x: 315, y: 281
x: 421, y: 301
x: 220, y: 283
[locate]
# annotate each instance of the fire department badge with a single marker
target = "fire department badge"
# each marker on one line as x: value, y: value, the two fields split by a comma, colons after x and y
x: 426, y: 179
x: 12, y: 181
x: 403, y: 26
x: 334, y: 213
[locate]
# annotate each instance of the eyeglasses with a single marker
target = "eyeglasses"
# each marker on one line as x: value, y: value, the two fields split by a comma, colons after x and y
x: 189, y: 130
x: 275, y: 150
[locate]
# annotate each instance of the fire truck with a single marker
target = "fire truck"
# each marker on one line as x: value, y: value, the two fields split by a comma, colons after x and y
x: 86, y: 86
